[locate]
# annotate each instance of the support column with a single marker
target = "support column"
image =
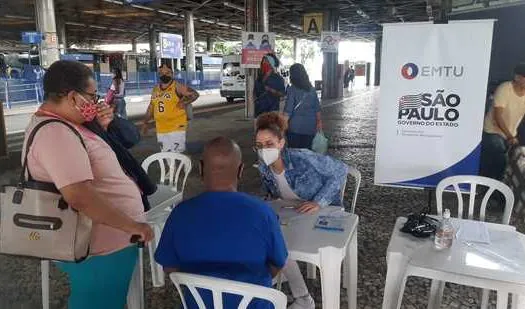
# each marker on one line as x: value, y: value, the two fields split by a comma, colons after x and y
x: 296, y: 50
x: 368, y: 72
x: 45, y: 16
x: 190, y: 46
x: 251, y: 74
x: 134, y: 45
x: 152, y: 48
x: 209, y: 44
x: 330, y: 80
x: 262, y: 15
x: 62, y: 38
x: 377, y: 75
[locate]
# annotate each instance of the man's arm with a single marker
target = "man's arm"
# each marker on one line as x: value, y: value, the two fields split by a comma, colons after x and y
x: 498, y: 117
x: 147, y: 118
x: 274, y: 271
x: 82, y: 197
x: 275, y: 93
x: 187, y: 94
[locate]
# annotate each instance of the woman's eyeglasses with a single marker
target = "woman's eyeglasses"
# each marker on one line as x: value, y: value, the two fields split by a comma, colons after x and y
x: 259, y: 146
x: 93, y: 96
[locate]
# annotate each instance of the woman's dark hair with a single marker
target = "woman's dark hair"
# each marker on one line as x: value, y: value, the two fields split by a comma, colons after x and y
x: 118, y: 74
x: 273, y: 122
x: 299, y: 78
x: 64, y: 76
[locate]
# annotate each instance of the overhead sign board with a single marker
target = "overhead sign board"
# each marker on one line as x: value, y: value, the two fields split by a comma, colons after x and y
x: 170, y: 45
x: 330, y: 41
x: 313, y: 23
x: 32, y: 37
x: 77, y: 57
x: 254, y: 46
x: 432, y: 103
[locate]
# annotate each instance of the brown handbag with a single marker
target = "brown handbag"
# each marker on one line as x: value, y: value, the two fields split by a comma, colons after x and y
x: 36, y: 221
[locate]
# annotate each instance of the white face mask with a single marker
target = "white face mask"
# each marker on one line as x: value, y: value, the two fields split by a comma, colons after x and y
x: 268, y: 155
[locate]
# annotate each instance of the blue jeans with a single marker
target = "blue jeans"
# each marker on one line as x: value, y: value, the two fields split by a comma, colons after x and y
x: 494, y: 157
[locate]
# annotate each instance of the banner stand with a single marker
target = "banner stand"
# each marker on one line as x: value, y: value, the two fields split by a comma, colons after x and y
x: 430, y: 113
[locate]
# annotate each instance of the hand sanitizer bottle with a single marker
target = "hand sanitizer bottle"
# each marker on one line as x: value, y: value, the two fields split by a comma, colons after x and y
x: 444, y: 233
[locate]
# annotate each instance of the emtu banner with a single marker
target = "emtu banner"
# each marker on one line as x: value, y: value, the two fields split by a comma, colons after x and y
x: 433, y: 88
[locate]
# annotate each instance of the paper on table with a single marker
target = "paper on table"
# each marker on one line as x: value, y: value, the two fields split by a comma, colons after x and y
x: 472, y: 231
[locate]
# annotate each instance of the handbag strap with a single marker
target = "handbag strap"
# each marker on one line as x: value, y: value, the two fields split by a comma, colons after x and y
x: 30, y: 142
x: 298, y: 105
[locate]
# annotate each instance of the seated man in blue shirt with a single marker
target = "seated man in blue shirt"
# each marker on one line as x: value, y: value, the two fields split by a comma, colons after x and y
x: 223, y: 233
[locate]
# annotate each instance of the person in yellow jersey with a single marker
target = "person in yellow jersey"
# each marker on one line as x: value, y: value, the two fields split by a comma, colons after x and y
x: 168, y: 108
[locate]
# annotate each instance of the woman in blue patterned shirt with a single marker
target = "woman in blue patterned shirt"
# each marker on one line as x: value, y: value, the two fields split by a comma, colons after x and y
x: 296, y: 174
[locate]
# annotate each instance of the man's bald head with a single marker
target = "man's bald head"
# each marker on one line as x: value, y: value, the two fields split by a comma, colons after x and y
x: 221, y: 163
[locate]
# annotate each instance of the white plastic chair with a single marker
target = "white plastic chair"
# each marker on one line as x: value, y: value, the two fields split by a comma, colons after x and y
x: 356, y: 174
x: 220, y: 286
x: 311, y: 270
x: 437, y: 287
x: 177, y: 163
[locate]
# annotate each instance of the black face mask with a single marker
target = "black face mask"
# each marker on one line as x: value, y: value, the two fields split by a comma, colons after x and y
x: 165, y: 79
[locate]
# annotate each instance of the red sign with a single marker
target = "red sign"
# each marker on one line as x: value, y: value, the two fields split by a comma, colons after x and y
x: 253, y: 57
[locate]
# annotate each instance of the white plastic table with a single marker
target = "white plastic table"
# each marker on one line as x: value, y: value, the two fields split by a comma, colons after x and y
x: 499, y: 265
x: 325, y: 249
x: 161, y: 202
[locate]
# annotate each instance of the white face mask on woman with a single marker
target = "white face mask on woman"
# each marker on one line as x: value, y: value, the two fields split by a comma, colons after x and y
x: 268, y: 155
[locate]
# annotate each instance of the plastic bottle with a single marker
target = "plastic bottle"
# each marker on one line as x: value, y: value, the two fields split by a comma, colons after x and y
x: 445, y: 233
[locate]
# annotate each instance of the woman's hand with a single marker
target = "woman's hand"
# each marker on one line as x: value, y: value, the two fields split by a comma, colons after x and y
x: 308, y: 208
x: 143, y: 230
x: 104, y: 115
x: 319, y: 126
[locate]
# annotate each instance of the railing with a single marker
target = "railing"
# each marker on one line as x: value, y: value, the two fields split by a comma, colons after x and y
x: 18, y: 92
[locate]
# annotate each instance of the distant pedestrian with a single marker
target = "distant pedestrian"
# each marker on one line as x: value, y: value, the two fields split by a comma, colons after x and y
x: 168, y: 107
x: 39, y: 75
x: 302, y: 108
x: 269, y: 86
x: 118, y: 87
x: 349, y: 75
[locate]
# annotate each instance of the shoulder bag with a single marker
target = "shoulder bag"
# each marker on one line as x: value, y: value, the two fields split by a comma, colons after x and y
x: 36, y: 221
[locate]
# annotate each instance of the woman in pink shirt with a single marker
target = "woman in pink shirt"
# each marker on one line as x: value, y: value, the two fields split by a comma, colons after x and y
x: 91, y: 181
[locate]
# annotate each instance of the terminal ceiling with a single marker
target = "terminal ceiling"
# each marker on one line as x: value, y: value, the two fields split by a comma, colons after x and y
x: 113, y: 21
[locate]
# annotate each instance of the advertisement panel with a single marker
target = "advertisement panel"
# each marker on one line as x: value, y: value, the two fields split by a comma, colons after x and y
x: 170, y: 45
x: 330, y: 41
x: 254, y: 46
x: 431, y: 108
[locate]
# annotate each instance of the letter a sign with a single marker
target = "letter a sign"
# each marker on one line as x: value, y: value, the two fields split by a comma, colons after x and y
x: 313, y: 23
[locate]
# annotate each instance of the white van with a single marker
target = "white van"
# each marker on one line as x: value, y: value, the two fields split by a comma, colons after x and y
x: 233, y: 79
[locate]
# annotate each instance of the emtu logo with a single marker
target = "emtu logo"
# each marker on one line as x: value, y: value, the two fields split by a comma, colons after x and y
x: 409, y: 70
